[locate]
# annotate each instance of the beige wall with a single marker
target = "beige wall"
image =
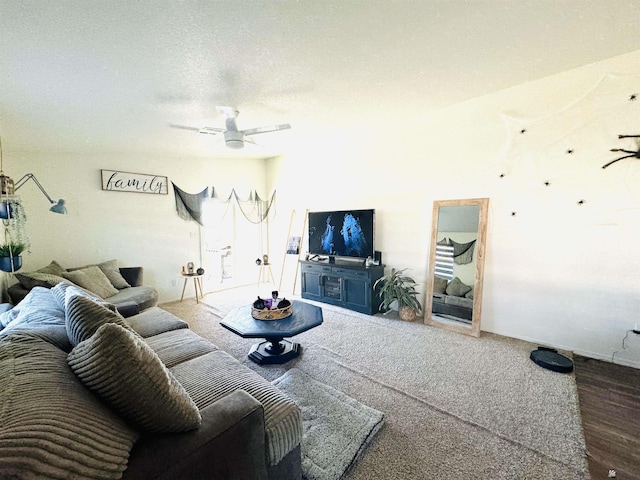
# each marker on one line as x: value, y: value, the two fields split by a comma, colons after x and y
x: 134, y: 228
x: 557, y: 273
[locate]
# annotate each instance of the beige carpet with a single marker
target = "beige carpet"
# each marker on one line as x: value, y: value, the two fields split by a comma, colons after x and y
x: 455, y: 407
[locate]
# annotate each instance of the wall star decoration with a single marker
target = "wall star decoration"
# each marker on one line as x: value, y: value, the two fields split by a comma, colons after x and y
x: 631, y: 153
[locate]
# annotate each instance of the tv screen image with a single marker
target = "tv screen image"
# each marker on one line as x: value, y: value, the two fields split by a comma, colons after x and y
x: 342, y: 233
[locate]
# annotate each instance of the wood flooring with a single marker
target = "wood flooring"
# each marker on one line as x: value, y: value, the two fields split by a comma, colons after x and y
x: 609, y: 398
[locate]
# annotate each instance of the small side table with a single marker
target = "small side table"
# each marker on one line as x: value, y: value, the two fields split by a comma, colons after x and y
x: 197, y: 284
x: 265, y: 274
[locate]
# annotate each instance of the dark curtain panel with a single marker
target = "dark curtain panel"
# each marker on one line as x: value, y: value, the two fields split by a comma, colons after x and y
x: 189, y: 205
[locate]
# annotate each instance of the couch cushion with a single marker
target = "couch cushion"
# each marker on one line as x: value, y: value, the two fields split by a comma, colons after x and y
x: 46, y: 276
x: 51, y: 426
x: 145, y: 392
x: 144, y: 296
x: 111, y: 271
x: 54, y: 268
x: 84, y: 317
x: 439, y: 285
x: 457, y: 288
x: 459, y: 301
x: 63, y: 291
x: 469, y: 294
x: 93, y: 279
x: 154, y: 321
x: 178, y: 346
x: 38, y: 279
x: 212, y: 376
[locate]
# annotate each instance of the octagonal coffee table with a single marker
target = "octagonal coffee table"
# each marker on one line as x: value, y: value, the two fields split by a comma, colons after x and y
x: 275, y: 349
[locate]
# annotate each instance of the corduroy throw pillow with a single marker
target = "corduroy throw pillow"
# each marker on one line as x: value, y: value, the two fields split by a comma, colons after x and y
x: 51, y: 425
x: 127, y: 374
x: 83, y: 318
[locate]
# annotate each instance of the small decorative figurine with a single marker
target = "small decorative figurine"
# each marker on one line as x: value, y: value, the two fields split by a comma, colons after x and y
x: 284, y: 303
x: 259, y: 304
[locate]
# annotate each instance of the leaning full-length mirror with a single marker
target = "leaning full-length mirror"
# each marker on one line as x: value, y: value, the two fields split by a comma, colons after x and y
x: 456, y: 265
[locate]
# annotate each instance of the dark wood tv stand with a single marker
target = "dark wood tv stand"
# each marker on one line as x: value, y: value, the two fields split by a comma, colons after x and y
x: 343, y: 283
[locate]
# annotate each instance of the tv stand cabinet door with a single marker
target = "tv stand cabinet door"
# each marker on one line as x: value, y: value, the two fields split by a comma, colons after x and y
x: 313, y: 280
x: 356, y: 294
x: 357, y: 288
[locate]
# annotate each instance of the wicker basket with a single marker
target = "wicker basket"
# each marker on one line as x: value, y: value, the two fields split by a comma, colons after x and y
x: 271, y: 313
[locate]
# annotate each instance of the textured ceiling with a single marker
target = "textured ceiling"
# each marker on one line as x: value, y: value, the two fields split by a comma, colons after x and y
x: 110, y: 75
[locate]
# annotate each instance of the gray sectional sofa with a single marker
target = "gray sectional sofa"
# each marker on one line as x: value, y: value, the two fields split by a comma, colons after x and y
x: 87, y: 393
x: 452, y: 298
x: 120, y: 286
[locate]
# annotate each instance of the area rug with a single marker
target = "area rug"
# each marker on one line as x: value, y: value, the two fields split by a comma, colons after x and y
x: 337, y: 428
x: 455, y: 407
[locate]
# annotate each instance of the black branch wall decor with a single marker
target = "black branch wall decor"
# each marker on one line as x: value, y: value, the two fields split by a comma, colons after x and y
x: 631, y: 153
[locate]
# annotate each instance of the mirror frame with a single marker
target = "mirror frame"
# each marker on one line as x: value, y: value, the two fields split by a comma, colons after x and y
x: 474, y: 329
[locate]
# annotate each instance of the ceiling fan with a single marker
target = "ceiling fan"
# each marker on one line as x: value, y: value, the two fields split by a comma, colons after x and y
x: 233, y: 138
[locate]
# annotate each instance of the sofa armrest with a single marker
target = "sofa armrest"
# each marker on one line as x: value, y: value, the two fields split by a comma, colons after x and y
x: 128, y: 309
x: 230, y: 444
x: 133, y: 275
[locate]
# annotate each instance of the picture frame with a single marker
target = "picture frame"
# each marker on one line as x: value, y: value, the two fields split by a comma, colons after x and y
x: 118, y: 181
x: 293, y: 245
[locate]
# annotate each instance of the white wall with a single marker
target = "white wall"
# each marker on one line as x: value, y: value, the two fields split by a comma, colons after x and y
x: 556, y: 273
x: 136, y: 229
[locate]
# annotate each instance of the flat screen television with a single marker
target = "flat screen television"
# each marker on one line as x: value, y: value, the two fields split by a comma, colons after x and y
x: 342, y: 233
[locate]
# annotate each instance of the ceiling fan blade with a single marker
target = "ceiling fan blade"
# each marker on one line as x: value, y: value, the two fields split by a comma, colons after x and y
x: 205, y: 130
x: 184, y: 127
x: 212, y: 130
x: 271, y: 128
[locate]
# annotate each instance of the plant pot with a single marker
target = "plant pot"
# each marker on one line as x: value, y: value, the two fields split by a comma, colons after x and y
x: 6, y: 211
x: 407, y: 314
x: 10, y: 264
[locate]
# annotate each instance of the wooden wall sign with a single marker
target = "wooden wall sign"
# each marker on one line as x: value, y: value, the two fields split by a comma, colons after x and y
x: 117, y: 181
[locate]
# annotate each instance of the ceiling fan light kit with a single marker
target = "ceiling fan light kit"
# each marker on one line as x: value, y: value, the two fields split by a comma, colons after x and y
x: 233, y: 138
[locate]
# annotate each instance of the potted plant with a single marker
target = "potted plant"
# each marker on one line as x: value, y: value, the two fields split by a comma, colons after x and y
x: 399, y: 288
x: 10, y: 259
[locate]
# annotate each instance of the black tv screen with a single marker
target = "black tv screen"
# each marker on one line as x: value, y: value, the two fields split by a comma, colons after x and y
x: 343, y: 233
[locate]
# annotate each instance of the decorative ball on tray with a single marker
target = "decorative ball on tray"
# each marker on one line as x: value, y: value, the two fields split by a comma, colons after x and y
x: 273, y: 308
